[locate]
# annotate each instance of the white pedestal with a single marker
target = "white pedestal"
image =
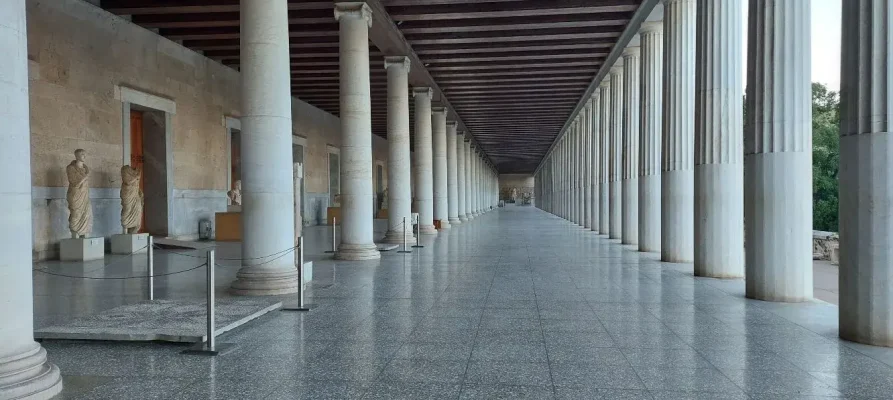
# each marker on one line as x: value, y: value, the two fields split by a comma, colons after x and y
x: 233, y: 208
x: 130, y: 243
x: 86, y: 249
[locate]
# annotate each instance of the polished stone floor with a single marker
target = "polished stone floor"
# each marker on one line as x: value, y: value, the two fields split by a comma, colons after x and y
x: 515, y: 304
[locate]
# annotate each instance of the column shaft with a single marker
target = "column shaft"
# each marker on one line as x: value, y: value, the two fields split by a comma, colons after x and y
x: 24, y: 369
x: 266, y: 142
x: 424, y: 194
x: 677, y: 175
x: 778, y: 152
x: 460, y: 178
x: 866, y: 174
x: 604, y: 133
x: 586, y: 120
x: 399, y: 163
x: 615, y: 153
x: 595, y: 161
x: 357, y: 194
x: 441, y: 194
x: 651, y: 119
x: 719, y: 119
x: 469, y: 177
x: 630, y: 181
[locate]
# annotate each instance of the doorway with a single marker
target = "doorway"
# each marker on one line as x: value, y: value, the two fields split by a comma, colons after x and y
x: 149, y: 150
x: 137, y: 155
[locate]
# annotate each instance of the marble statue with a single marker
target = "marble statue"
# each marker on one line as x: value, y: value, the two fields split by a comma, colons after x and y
x: 384, y: 199
x: 298, y: 173
x: 131, y: 200
x: 514, y: 195
x: 80, y: 217
x: 235, y: 195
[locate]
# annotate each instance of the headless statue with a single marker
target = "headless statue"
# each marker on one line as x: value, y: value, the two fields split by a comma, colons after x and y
x: 80, y: 217
x: 131, y: 200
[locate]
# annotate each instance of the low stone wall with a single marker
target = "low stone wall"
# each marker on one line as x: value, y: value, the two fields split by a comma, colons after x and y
x: 825, y: 246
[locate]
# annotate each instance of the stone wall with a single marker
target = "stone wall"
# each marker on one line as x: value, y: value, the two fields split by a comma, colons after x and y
x: 83, y: 62
x: 523, y: 183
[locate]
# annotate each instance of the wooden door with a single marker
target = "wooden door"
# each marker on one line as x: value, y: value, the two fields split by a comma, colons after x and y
x: 136, y: 153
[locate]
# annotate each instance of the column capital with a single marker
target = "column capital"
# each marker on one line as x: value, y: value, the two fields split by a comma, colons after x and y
x: 460, y: 134
x: 606, y: 81
x: 651, y: 27
x: 617, y: 69
x: 422, y: 91
x: 632, y: 51
x: 353, y: 9
x: 438, y: 110
x: 452, y: 125
x: 391, y: 61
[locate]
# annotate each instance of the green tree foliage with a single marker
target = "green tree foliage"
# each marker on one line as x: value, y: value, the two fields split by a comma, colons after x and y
x: 825, y: 156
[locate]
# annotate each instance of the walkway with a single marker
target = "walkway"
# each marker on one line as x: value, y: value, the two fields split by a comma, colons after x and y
x: 516, y: 304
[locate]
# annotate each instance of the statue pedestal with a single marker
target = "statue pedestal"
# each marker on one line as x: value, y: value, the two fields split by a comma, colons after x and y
x: 228, y: 227
x: 130, y: 243
x: 85, y: 249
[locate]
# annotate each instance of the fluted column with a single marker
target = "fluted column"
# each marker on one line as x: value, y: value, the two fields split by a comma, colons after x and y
x: 460, y: 177
x: 469, y: 176
x: 677, y: 174
x: 399, y: 163
x: 651, y: 37
x: 615, y: 153
x: 575, y: 172
x: 630, y: 181
x: 604, y: 133
x: 267, y: 176
x: 24, y: 369
x: 439, y: 137
x: 476, y: 181
x: 719, y: 119
x: 595, y: 161
x: 778, y: 152
x: 581, y: 158
x: 354, y: 19
x: 452, y: 174
x: 424, y: 173
x: 866, y: 174
x: 586, y: 120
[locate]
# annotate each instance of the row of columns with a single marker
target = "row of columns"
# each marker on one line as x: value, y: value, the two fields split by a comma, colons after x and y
x: 671, y: 165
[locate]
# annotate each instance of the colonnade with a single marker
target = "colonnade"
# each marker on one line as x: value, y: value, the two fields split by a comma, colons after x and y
x: 672, y: 165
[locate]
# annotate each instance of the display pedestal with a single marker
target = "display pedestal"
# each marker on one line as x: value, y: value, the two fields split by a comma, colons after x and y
x: 135, y: 243
x: 333, y: 213
x: 228, y: 226
x: 83, y: 249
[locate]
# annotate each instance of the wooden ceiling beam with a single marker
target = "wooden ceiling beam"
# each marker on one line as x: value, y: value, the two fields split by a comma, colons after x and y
x: 497, y: 10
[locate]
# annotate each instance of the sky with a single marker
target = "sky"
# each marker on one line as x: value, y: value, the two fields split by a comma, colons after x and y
x: 825, y: 42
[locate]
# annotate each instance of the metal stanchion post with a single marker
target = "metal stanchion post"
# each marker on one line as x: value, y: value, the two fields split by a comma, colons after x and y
x: 334, y: 226
x: 150, y: 258
x: 209, y: 347
x: 404, y: 238
x: 301, y: 306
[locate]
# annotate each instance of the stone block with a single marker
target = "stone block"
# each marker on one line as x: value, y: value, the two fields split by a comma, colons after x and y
x: 130, y: 244
x: 86, y: 249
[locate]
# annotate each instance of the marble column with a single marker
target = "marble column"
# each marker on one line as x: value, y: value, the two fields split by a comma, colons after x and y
x: 25, y: 371
x: 267, y: 176
x: 778, y: 152
x: 469, y: 176
x: 441, y: 194
x: 677, y: 172
x: 651, y: 38
x: 604, y: 133
x: 475, y: 169
x: 615, y: 153
x: 399, y: 163
x: 354, y: 20
x: 630, y: 182
x: 581, y: 161
x: 460, y: 177
x: 719, y: 154
x: 574, y: 166
x: 595, y: 163
x: 586, y: 177
x: 866, y: 174
x: 424, y: 177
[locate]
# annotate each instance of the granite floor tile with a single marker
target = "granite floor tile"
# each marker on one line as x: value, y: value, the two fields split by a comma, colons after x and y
x: 393, y: 390
x: 507, y: 392
x: 596, y: 375
x: 416, y: 370
x: 508, y: 373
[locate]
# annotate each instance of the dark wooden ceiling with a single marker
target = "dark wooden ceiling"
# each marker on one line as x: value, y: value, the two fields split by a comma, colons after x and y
x: 513, y: 70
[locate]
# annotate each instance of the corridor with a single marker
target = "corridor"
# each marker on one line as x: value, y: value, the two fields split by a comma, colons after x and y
x: 516, y: 303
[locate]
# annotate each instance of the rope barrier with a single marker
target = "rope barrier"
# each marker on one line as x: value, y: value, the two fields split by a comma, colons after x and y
x: 120, y: 277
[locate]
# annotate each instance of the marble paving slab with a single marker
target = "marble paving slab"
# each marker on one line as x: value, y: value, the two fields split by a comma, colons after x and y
x: 162, y: 320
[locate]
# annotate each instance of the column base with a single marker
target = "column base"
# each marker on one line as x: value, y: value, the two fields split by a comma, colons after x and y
x: 469, y: 217
x: 29, y: 376
x: 256, y: 281
x: 397, y: 237
x: 427, y: 230
x: 463, y: 219
x: 455, y: 221
x: 444, y: 224
x: 357, y: 252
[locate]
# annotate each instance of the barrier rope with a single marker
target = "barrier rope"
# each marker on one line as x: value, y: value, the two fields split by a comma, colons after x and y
x: 45, y: 272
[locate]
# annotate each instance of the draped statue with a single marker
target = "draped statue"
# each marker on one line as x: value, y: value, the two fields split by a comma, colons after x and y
x: 131, y: 200
x: 235, y: 195
x: 80, y: 217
